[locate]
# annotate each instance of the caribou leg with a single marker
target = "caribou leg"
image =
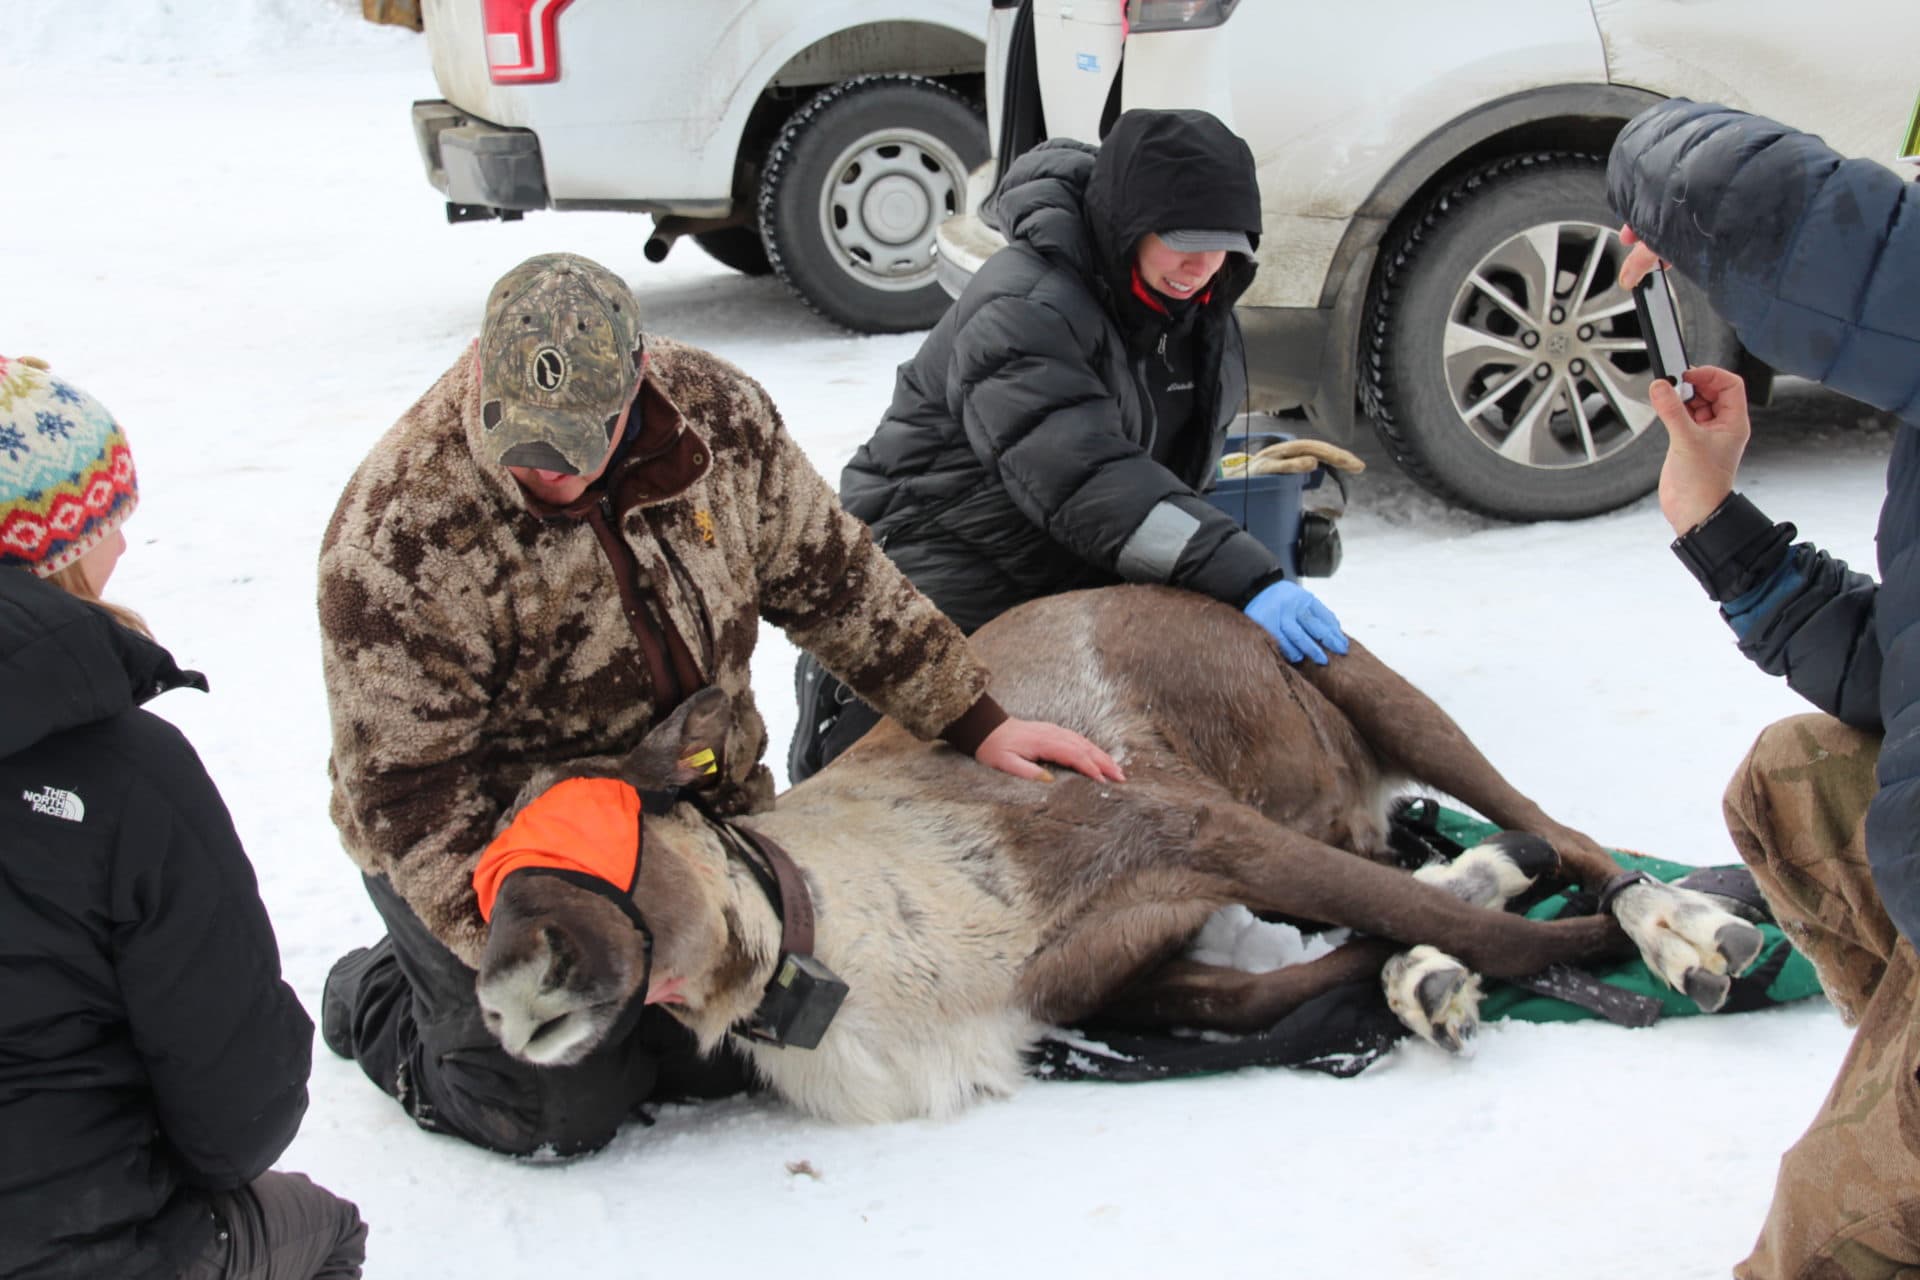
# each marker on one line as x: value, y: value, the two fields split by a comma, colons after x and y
x: 1103, y: 950
x: 1270, y: 868
x: 1122, y: 956
x: 1692, y: 943
x: 1189, y: 993
x: 1435, y: 995
x: 1413, y: 736
x: 1234, y: 854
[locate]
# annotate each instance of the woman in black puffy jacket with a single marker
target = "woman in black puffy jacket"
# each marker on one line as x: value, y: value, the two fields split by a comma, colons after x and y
x: 1057, y: 427
x: 153, y: 1064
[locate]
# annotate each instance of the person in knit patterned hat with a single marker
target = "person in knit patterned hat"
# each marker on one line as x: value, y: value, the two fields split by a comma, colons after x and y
x: 66, y: 474
x: 153, y: 1064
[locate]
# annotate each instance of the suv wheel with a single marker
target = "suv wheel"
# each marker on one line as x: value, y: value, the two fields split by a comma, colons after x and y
x: 736, y: 247
x: 1503, y: 365
x: 855, y: 188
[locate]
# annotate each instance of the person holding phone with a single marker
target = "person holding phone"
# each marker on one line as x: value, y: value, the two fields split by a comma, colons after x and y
x: 1814, y: 259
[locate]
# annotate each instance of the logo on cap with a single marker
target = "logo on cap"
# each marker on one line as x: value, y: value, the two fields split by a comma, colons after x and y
x: 549, y: 368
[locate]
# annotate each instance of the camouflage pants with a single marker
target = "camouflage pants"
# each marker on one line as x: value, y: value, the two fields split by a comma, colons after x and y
x: 1847, y: 1202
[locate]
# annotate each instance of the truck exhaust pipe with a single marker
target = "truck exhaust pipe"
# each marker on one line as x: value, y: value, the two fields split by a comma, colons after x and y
x: 670, y: 228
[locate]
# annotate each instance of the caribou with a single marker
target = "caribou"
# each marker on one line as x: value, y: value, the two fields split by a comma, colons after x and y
x: 967, y: 911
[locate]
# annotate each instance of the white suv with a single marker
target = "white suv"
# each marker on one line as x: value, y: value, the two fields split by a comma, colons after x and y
x: 1438, y: 254
x: 825, y: 142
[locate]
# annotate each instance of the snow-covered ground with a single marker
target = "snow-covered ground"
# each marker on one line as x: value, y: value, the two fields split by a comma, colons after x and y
x: 214, y: 219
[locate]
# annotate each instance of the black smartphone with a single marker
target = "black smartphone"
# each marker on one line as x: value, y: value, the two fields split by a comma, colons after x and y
x: 1660, y: 326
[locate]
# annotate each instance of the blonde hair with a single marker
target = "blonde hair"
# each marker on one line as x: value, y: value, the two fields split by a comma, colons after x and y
x: 73, y: 580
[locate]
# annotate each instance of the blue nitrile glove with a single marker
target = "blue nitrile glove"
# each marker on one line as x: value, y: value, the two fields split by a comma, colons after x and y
x: 1295, y: 617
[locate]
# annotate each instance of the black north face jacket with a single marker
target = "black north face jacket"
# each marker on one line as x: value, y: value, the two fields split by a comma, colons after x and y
x: 148, y: 1047
x: 1022, y: 455
x: 1814, y: 259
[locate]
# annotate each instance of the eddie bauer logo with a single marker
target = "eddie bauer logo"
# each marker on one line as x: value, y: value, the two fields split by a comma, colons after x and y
x: 56, y: 803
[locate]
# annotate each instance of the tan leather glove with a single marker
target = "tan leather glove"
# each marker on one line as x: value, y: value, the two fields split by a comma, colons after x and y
x: 1289, y: 457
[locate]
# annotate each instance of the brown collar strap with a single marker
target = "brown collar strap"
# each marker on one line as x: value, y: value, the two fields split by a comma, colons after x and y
x: 781, y: 880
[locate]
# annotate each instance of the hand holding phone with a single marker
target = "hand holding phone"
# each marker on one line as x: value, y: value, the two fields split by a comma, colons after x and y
x: 1660, y: 326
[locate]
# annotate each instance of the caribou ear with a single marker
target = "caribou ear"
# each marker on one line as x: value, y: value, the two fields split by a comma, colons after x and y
x: 685, y: 747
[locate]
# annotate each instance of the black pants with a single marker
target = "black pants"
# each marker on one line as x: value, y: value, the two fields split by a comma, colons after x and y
x: 405, y: 1010
x: 281, y: 1227
x: 831, y: 719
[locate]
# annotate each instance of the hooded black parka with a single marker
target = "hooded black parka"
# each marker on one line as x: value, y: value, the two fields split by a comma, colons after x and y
x: 1024, y: 452
x: 148, y: 1047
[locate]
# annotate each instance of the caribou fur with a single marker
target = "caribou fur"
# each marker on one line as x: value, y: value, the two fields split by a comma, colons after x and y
x: 966, y: 909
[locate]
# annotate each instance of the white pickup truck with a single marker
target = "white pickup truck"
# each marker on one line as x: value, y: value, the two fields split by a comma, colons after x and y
x: 823, y: 141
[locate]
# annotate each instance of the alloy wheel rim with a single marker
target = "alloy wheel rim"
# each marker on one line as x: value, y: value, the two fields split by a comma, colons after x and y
x: 1543, y: 354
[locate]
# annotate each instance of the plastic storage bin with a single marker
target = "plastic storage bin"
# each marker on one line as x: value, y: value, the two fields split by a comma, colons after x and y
x: 1270, y: 508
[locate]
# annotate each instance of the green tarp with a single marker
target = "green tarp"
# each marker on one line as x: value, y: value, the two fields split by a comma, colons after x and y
x: 1778, y: 974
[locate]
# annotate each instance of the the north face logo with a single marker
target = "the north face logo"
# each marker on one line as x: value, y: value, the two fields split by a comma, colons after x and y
x: 56, y: 803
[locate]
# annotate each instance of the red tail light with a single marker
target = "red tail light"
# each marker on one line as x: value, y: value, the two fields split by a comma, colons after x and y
x: 522, y: 44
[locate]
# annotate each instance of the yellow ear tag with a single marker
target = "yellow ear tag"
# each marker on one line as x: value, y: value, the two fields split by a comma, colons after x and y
x: 701, y: 760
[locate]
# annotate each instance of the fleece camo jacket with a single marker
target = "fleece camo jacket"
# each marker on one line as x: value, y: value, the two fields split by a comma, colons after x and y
x: 470, y: 635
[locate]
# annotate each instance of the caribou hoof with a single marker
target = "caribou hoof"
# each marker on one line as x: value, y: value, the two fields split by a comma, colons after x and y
x: 1436, y: 996
x: 1694, y: 944
x: 1493, y: 872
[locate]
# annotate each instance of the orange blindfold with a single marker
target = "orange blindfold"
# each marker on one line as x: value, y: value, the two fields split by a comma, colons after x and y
x: 589, y: 825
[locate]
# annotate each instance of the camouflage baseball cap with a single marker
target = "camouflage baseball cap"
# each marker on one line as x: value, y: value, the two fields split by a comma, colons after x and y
x: 559, y: 362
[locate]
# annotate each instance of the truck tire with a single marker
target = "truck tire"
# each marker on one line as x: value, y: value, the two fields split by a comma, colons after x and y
x: 1501, y: 364
x: 736, y: 247
x: 853, y: 191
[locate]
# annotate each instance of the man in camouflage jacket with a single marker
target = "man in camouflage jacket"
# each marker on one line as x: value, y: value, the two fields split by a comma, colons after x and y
x: 575, y: 529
